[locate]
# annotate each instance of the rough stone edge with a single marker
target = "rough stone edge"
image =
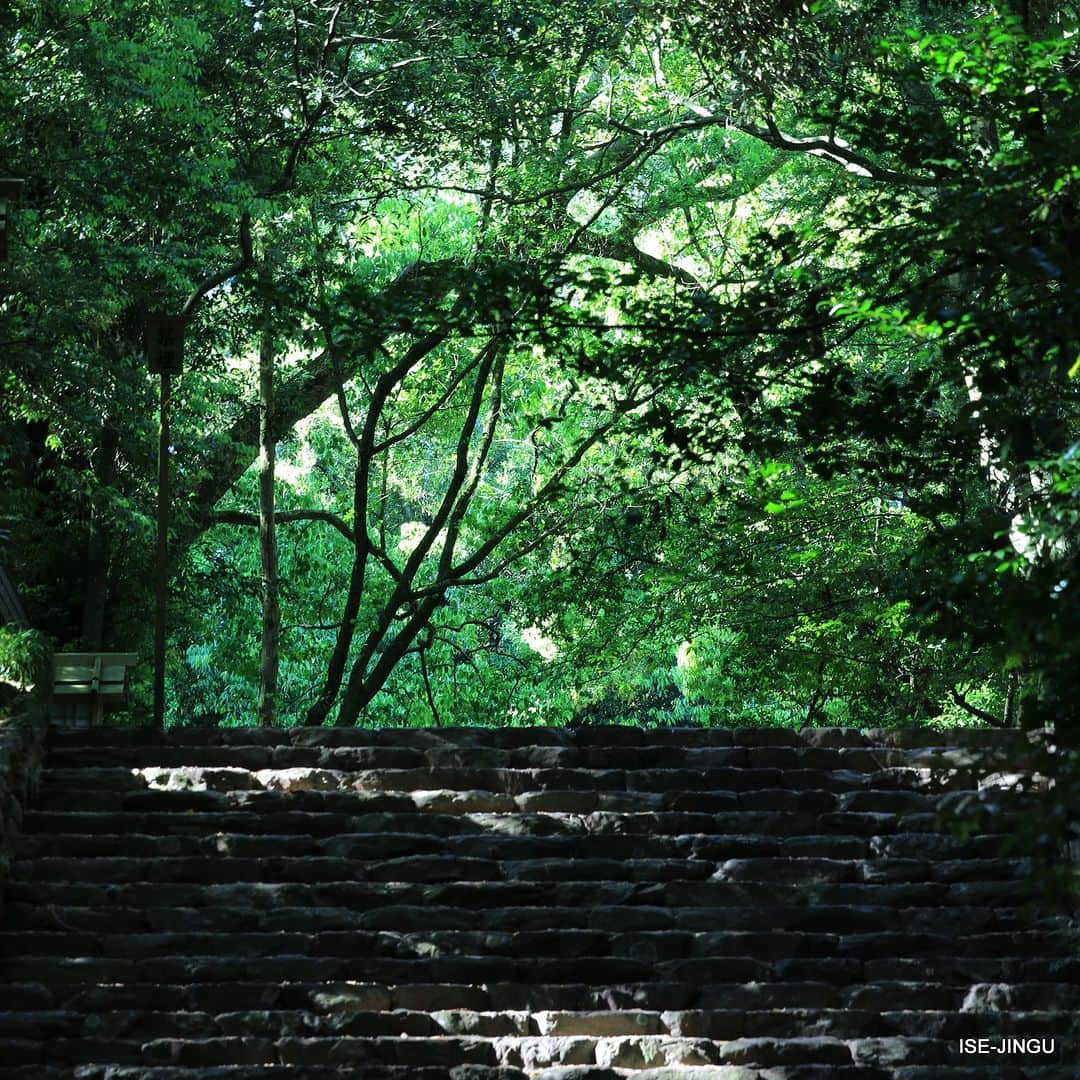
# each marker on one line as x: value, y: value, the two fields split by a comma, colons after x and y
x: 907, y: 738
x: 22, y: 750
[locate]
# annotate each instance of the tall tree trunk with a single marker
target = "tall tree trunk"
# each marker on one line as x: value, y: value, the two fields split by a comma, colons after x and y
x: 271, y: 612
x: 335, y: 671
x: 319, y: 711
x: 1012, y: 700
x: 363, y: 684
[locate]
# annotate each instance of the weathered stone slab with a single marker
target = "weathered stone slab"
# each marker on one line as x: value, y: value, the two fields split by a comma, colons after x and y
x: 599, y: 1024
x: 751, y: 996
x: 333, y: 737
x: 890, y: 1052
x: 810, y: 1023
x: 435, y: 997
x: 538, y: 1052
x: 786, y: 800
x: 702, y: 1072
x: 484, y: 1024
x: 566, y: 802
x: 768, y: 1052
x: 445, y: 801
x: 600, y: 735
x: 834, y: 737
x: 576, y: 1072
x: 786, y: 870
x: 484, y: 1072
x: 356, y: 758
x: 777, y: 736
x: 642, y: 1052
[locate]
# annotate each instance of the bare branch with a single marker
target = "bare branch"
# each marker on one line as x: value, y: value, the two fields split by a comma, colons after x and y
x: 359, y: 684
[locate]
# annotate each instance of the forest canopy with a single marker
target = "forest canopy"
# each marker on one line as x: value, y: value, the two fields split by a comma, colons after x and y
x: 543, y: 363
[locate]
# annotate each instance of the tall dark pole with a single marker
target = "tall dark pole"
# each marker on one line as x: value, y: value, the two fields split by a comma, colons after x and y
x: 10, y: 189
x: 161, y: 562
x: 165, y: 355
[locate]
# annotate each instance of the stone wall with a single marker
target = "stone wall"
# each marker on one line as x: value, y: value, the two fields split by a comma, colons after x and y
x: 21, y: 752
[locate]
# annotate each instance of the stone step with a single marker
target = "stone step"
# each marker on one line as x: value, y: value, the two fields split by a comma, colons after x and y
x: 524, y: 865
x: 498, y: 781
x: 483, y: 895
x: 245, y: 1072
x: 482, y: 1072
x: 528, y: 1053
x: 224, y: 917
x: 502, y: 781
x: 993, y: 999
x: 420, y: 868
x: 798, y: 809
x: 922, y: 833
x: 344, y: 1051
x: 509, y: 737
x: 770, y: 812
x: 651, y: 945
x: 646, y: 756
x: 602, y: 969
x: 434, y: 802
x: 954, y: 1072
x: 507, y: 844
x: 45, y: 1025
x: 915, y: 994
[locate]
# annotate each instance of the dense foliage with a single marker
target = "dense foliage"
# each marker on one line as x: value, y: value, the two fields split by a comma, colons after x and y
x: 683, y: 363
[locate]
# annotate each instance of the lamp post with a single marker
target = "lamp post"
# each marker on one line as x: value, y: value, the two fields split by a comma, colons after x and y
x: 10, y: 190
x: 165, y: 356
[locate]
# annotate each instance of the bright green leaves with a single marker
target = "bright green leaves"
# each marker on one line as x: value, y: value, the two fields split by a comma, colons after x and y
x: 765, y: 480
x: 995, y: 56
x: 788, y: 501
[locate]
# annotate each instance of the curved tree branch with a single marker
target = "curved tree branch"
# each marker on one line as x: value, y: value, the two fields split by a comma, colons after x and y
x: 298, y: 397
x: 242, y: 517
x: 834, y: 149
x: 246, y: 260
x: 973, y: 710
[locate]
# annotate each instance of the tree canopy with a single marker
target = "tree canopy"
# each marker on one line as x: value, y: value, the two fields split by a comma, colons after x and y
x: 671, y: 362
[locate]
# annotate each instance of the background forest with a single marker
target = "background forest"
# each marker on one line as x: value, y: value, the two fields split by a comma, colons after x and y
x: 547, y: 362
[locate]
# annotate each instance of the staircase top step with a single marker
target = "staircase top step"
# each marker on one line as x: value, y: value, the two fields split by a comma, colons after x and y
x: 508, y: 737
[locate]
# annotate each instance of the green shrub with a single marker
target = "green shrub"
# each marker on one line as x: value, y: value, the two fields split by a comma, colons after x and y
x: 25, y: 663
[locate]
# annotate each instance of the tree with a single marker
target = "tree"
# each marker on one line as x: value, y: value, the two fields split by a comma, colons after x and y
x: 274, y: 131
x: 519, y: 250
x: 928, y: 334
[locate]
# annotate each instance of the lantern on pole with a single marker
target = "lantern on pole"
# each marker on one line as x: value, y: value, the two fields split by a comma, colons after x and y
x: 10, y: 191
x: 164, y: 343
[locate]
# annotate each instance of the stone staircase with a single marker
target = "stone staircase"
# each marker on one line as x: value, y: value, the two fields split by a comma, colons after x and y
x: 490, y: 904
